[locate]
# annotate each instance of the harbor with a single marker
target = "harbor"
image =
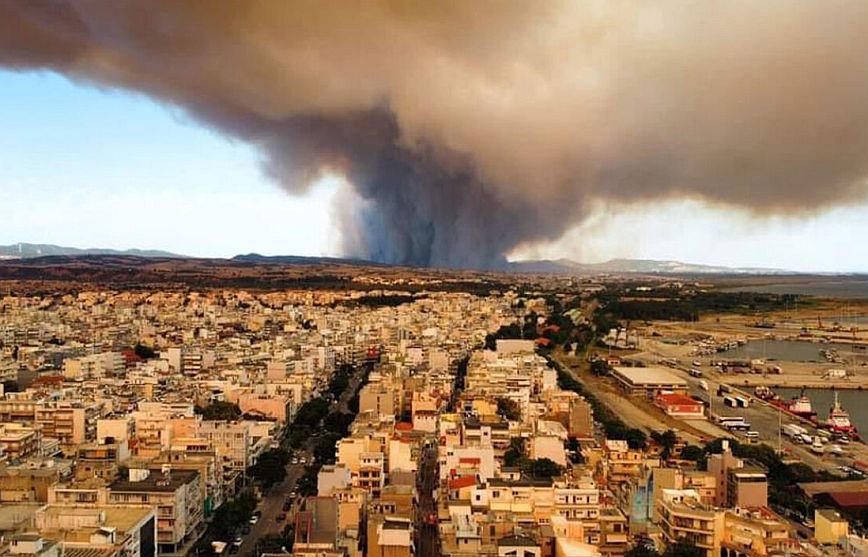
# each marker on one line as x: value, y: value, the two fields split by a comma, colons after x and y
x: 822, y: 401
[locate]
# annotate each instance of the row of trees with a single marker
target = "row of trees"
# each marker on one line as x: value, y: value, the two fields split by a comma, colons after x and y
x: 322, y: 427
x: 226, y: 520
x: 219, y: 410
x: 675, y: 305
x: 614, y: 427
x: 270, y: 469
x: 680, y: 549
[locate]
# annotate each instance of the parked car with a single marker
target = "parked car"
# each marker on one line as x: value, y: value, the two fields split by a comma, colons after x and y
x: 281, y: 517
x: 253, y: 519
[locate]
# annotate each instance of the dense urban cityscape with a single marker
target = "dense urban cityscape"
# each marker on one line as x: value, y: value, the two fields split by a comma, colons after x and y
x: 557, y: 417
x: 450, y: 278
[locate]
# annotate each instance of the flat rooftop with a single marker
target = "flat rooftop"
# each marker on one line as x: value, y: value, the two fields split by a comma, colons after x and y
x: 122, y: 518
x: 650, y: 376
x: 14, y: 515
x: 157, y: 481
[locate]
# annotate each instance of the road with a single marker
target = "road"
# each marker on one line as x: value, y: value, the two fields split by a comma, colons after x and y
x: 763, y: 418
x: 767, y: 420
x: 427, y: 535
x: 271, y: 506
x: 272, y: 502
x: 633, y: 411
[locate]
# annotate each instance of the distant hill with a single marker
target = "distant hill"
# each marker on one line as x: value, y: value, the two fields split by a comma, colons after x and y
x: 256, y: 258
x: 563, y: 266
x: 30, y: 251
x: 649, y: 266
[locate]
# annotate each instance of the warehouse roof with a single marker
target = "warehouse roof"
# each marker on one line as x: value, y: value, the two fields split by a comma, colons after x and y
x: 640, y: 376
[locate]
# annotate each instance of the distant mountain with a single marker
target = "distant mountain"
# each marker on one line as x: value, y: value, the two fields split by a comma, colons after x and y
x: 30, y: 251
x: 256, y: 258
x: 564, y: 266
x: 647, y: 266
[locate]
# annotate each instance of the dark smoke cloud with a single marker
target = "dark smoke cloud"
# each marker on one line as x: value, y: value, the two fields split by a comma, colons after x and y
x: 469, y: 128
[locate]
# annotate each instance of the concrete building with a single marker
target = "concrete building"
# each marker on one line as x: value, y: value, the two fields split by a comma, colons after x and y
x: 648, y: 381
x: 333, y: 477
x: 679, y: 405
x: 18, y: 441
x: 390, y: 536
x: 719, y: 466
x: 684, y: 518
x: 379, y: 399
x: 830, y: 527
x: 100, y: 460
x: 754, y: 533
x: 747, y: 487
x: 131, y: 531
x: 177, y: 496
x: 33, y: 545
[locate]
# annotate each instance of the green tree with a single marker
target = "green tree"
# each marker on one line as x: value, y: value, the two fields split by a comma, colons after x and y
x: 144, y: 352
x: 490, y: 342
x: 683, y: 549
x: 635, y: 438
x: 692, y: 452
x: 270, y: 469
x: 220, y: 410
x: 666, y: 439
x: 515, y: 453
x: 508, y: 409
x: 641, y: 550
x: 600, y: 368
x: 306, y: 485
x: 543, y: 468
x: 11, y: 386
x: 231, y: 514
x: 324, y: 448
x: 339, y: 423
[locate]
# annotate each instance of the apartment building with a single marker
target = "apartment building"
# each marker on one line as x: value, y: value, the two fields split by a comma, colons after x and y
x: 18, y: 441
x: 747, y: 487
x: 127, y: 531
x: 97, y: 460
x: 177, y: 496
x: 756, y: 532
x: 684, y: 518
x: 71, y: 423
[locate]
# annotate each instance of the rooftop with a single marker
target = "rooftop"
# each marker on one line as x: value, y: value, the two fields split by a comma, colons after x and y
x: 649, y: 376
x: 157, y: 481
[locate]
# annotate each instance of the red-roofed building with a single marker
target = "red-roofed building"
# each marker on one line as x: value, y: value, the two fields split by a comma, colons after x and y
x: 680, y: 405
x: 850, y: 500
x: 464, y: 481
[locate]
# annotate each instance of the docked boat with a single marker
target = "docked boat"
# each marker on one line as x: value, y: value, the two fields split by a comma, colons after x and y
x: 839, y: 419
x: 764, y: 393
x: 799, y: 406
x: 817, y: 446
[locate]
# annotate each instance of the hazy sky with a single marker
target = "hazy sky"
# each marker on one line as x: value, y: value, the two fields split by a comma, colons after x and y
x: 86, y: 167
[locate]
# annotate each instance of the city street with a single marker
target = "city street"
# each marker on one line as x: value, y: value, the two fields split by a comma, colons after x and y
x: 271, y: 506
x: 427, y: 534
x: 272, y: 502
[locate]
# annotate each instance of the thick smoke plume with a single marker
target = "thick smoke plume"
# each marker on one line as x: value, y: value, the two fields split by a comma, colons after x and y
x: 470, y: 128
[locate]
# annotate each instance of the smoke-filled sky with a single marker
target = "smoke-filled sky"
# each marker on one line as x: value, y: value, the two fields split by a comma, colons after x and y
x: 459, y: 133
